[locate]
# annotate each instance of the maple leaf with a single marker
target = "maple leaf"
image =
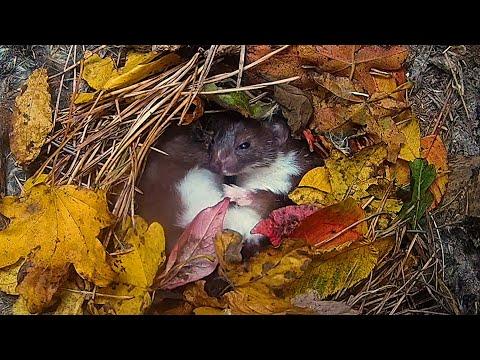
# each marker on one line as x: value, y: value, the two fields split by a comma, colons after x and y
x: 136, y: 268
x: 434, y: 151
x: 193, y: 257
x: 32, y: 118
x: 321, y: 228
x: 55, y: 226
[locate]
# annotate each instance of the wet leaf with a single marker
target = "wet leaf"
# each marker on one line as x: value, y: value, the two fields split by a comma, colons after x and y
x: 321, y: 227
x: 56, y: 226
x: 282, y: 222
x: 32, y: 118
x: 434, y: 151
x: 193, y: 257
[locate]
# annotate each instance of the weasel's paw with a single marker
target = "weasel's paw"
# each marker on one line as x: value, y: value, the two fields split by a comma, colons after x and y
x: 238, y: 195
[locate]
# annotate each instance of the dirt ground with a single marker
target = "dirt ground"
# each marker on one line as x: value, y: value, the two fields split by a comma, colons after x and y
x: 446, y: 95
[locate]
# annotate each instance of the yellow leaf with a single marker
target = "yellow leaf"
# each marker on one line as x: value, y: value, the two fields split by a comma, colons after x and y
x: 392, y: 206
x: 411, y: 149
x: 317, y: 178
x: 228, y: 245
x: 195, y: 294
x: 387, y: 131
x: 273, y: 267
x: 136, y: 269
x: 306, y: 195
x: 8, y: 278
x: 97, y: 71
x: 20, y: 307
x: 256, y: 298
x: 353, y: 176
x: 83, y: 98
x: 211, y: 311
x: 71, y: 302
x: 61, y: 224
x: 32, y: 118
x: 138, y: 68
x: 341, y: 271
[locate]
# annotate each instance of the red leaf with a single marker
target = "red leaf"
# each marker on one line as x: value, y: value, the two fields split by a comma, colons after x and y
x: 193, y: 257
x: 319, y: 228
x: 282, y: 222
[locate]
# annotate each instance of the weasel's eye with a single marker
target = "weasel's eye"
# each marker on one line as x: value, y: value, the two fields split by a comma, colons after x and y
x: 244, y: 145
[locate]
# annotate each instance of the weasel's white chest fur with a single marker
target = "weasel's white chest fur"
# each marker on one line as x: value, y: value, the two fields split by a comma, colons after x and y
x: 275, y: 178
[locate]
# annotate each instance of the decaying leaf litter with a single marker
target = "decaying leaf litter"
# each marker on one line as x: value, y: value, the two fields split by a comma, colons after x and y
x: 67, y: 167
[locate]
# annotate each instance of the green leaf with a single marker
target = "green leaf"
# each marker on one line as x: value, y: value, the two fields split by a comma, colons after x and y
x: 422, y: 175
x: 238, y: 101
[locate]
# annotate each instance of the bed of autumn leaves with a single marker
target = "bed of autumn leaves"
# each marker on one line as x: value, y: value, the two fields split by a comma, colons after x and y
x: 350, y: 105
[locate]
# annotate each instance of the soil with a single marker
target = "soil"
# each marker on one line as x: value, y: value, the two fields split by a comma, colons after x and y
x: 434, y: 70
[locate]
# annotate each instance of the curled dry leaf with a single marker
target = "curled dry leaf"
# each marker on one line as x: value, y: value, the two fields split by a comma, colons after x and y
x: 282, y: 222
x: 62, y: 224
x: 434, y: 151
x: 135, y: 269
x: 312, y: 300
x: 296, y: 106
x: 196, y: 113
x: 32, y: 118
x: 320, y: 228
x: 342, y: 87
x: 193, y: 257
x: 196, y: 295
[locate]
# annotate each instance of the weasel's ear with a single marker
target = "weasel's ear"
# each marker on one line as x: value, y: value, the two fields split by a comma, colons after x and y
x: 280, y: 130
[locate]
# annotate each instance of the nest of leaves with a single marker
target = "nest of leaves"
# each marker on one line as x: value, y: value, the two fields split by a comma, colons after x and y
x: 351, y: 106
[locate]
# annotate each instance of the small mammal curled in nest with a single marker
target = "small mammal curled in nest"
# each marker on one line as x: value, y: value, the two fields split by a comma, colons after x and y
x: 254, y: 163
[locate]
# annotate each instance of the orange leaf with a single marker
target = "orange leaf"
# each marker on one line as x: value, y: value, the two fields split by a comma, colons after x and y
x: 320, y: 227
x: 434, y: 151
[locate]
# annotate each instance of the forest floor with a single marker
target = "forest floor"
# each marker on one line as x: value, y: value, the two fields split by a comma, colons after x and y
x: 446, y: 95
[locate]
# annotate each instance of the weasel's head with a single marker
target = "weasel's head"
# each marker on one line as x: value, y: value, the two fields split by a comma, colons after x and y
x: 239, y: 145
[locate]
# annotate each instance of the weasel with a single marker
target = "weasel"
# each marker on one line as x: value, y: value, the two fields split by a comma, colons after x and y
x: 259, y: 157
x: 265, y: 161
